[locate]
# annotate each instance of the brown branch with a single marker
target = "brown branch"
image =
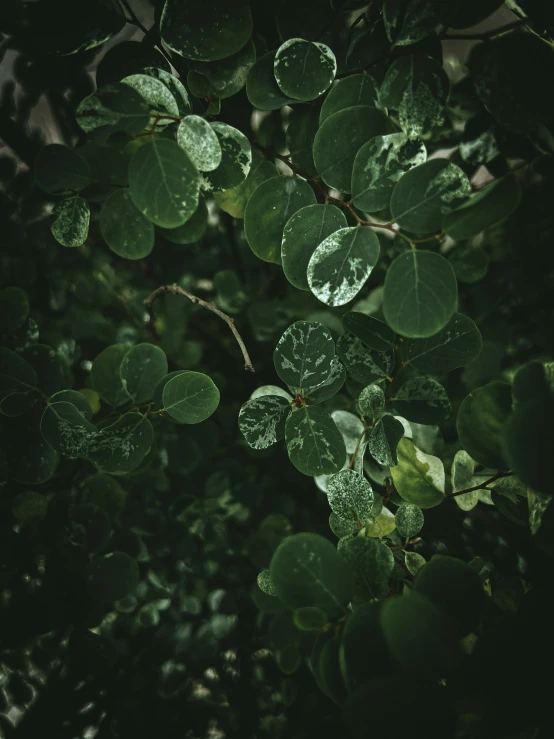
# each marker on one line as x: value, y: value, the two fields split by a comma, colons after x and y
x: 177, y: 290
x: 483, y: 485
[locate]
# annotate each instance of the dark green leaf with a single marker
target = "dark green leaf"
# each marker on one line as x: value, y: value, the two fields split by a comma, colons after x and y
x: 236, y: 159
x: 356, y: 89
x: 456, y: 345
x: 303, y: 355
x: 58, y: 168
x: 67, y: 430
x: 261, y: 87
x: 200, y: 142
x: 409, y: 21
x: 192, y: 230
x: 14, y: 309
x: 422, y: 400
x: 71, y: 221
x: 304, y: 70
x: 160, y: 102
x: 113, y: 108
x: 190, y: 397
x: 234, y: 200
x: 371, y: 561
x: 300, y: 135
x: 420, y: 294
x: 470, y: 263
x: 121, y: 447
x: 142, y: 367
x: 383, y: 441
x: 112, y: 576
x: 314, y: 443
x: 369, y: 330
x: 105, y: 375
x: 16, y: 374
x: 224, y: 78
x: 364, y: 364
x: 128, y: 232
x: 310, y: 618
x: 174, y: 85
x: 262, y: 420
x: 481, y: 421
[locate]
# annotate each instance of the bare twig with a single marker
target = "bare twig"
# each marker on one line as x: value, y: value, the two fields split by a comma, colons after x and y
x: 483, y: 485
x: 177, y: 290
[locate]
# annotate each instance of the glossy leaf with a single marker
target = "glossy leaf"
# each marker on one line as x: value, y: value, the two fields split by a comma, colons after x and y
x: 303, y: 355
x: 419, y: 478
x: 113, y: 108
x: 383, y: 441
x: 160, y: 101
x: 268, y: 211
x: 223, y: 78
x: 356, y: 89
x: 300, y: 135
x: 261, y: 87
x: 304, y: 70
x: 350, y: 496
x: 370, y: 331
x: 262, y: 420
x: 174, y: 85
x: 236, y: 159
x: 456, y: 345
x: 364, y: 364
x: 128, y: 232
x: 314, y: 443
x: 341, y: 264
x: 420, y: 294
x: 190, y: 397
x: 234, y: 200
x: 200, y: 142
x: 371, y: 402
x: 423, y: 400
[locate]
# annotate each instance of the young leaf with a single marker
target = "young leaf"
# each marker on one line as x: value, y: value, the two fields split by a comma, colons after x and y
x: 314, y: 443
x: 58, y: 168
x: 383, y: 441
x: 262, y: 420
x: 371, y: 402
x: 379, y: 165
x: 268, y: 210
x: 303, y: 233
x: 420, y: 294
x: 416, y: 87
x: 142, y: 367
x: 121, y: 447
x: 425, y: 194
x: 409, y: 520
x: 127, y: 232
x: 423, y: 400
x: 339, y: 139
x: 461, y: 473
x: 419, y: 478
x: 414, y: 562
x: 236, y: 159
x: 369, y: 330
x: 207, y: 31
x: 303, y: 355
x: 489, y: 206
x: 456, y: 345
x: 356, y: 89
x: 164, y: 183
x: 199, y: 140
x: 304, y: 70
x: 71, y: 221
x: 350, y: 496
x: 341, y: 264
x: 307, y: 571
x: 190, y: 397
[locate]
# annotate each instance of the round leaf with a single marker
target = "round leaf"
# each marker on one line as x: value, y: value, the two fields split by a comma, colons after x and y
x: 164, y: 183
x: 105, y: 375
x: 422, y: 400
x: 190, y: 397
x: 350, y: 496
x: 456, y: 345
x: 112, y: 108
x: 67, y: 430
x: 200, y: 142
x: 121, y: 447
x: 234, y: 200
x: 369, y: 330
x: 418, y: 477
x: 314, y: 443
x: 409, y: 520
x: 236, y: 159
x: 143, y: 366
x: 127, y: 232
x: 261, y: 88
x: 303, y: 355
x: 71, y: 221
x: 16, y: 374
x: 159, y: 99
x: 356, y: 89
x: 58, y: 168
x: 341, y: 264
x: 262, y: 420
x: 192, y: 230
x: 409, y: 21
x: 304, y: 70
x: 420, y: 294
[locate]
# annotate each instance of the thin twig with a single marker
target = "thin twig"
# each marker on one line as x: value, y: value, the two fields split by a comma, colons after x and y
x: 357, y: 449
x: 134, y: 21
x: 483, y: 485
x: 177, y: 290
x: 485, y: 34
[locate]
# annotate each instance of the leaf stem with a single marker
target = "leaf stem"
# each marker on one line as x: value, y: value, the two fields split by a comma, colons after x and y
x: 497, y: 476
x: 177, y: 290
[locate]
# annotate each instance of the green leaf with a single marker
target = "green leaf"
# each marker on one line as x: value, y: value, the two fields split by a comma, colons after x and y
x: 422, y: 400
x: 289, y: 659
x: 364, y: 364
x: 419, y: 478
x: 58, y: 168
x: 67, y: 430
x: 371, y: 402
x: 356, y: 89
x: 262, y: 420
x: 420, y: 294
x: 463, y: 467
x: 350, y: 496
x: 112, y: 576
x: 142, y: 367
x: 300, y: 134
x: 121, y: 447
x: 330, y: 386
x: 350, y: 427
x: 261, y: 87
x: 416, y: 87
x: 369, y: 330
x: 341, y: 264
x: 206, y: 31
x: 456, y: 345
x: 14, y: 309
x: 426, y: 193
x: 482, y: 417
x: 164, y: 183
x: 160, y: 102
x: 234, y: 200
x: 192, y: 230
x: 409, y: 520
x: 310, y: 618
x: 379, y: 165
x: 303, y: 355
x: 200, y: 142
x: 414, y: 562
x: 16, y: 374
x: 314, y: 443
x: 174, y: 85
x: 383, y: 441
x: 303, y: 232
x: 304, y: 70
x: 489, y: 206
x: 105, y: 375
x: 372, y: 562
x: 71, y: 221
x: 190, y: 397
x: 307, y: 571
x: 236, y: 159
x: 29, y: 505
x: 339, y: 139
x: 470, y: 263
x: 112, y: 108
x: 127, y: 232
x: 224, y: 78
x: 268, y: 210
x: 409, y: 21
x: 107, y: 166
x: 265, y: 583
